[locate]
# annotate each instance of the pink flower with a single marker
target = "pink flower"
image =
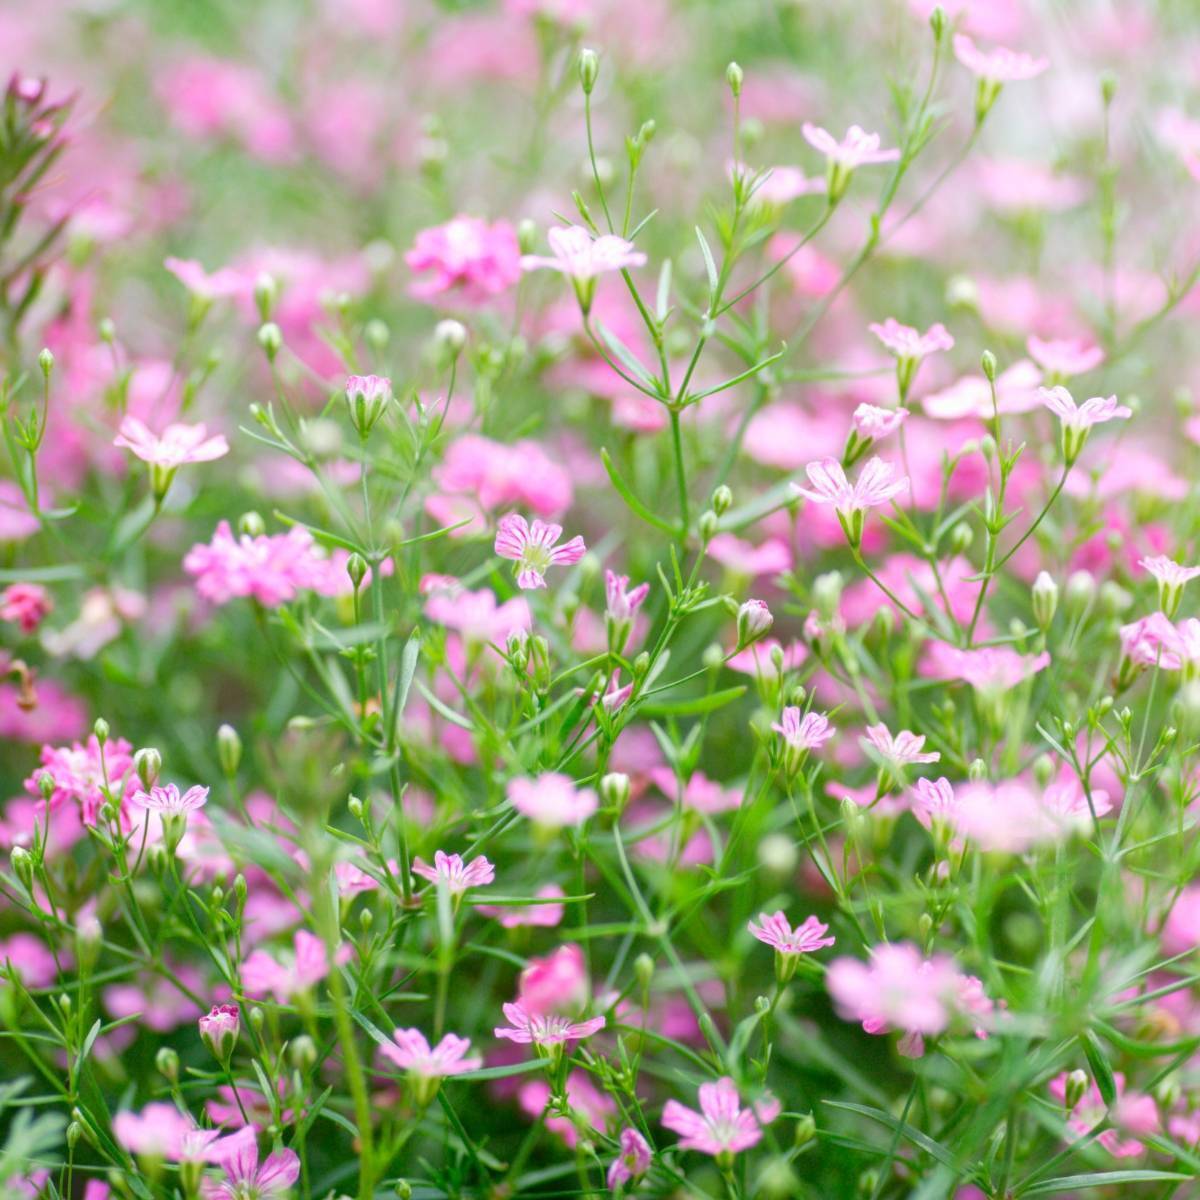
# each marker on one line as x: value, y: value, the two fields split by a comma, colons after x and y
x: 1077, y: 420
x: 156, y: 1132
x: 1151, y: 642
x: 78, y: 773
x: 307, y: 965
x: 557, y: 983
x: 997, y: 66
x: 897, y: 989
x: 902, y: 749
x: 701, y: 794
x: 1065, y: 357
x: 754, y: 621
x: 622, y: 601
x: 933, y: 800
x: 632, y: 1162
x: 1132, y: 1112
x: 168, y: 800
x: 27, y: 604
x: 808, y: 732
x: 1171, y: 577
x: 871, y: 422
x: 175, y: 446
x: 857, y: 149
x: 904, y: 342
x: 245, y: 1178
x: 533, y: 548
x: 774, y: 931
x: 574, y: 252
x: 411, y: 1052
x: 544, y: 1029
x: 552, y: 800
x: 367, y: 397
x: 219, y: 1029
x: 876, y: 484
x: 221, y: 283
x: 991, y: 669
x: 722, y: 1127
x: 779, y: 185
x: 450, y: 871
x: 467, y: 259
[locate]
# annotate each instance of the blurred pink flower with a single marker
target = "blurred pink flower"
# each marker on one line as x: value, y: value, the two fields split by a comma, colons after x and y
x: 857, y: 149
x: 245, y: 1176
x: 466, y: 259
x: 307, y: 965
x: 905, y: 342
x: 552, y: 800
x: 26, y: 604
x: 1000, y: 65
x: 176, y: 445
x: 577, y: 254
x: 632, y: 1161
x: 870, y: 421
x: 1065, y: 356
x: 901, y: 749
x: 410, y: 1051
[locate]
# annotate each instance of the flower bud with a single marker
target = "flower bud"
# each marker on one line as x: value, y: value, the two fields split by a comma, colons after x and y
x: 1076, y: 1089
x: 707, y: 526
x: 987, y: 362
x: 302, y: 1052
x: 937, y: 22
x: 101, y: 730
x: 22, y: 865
x: 219, y: 1030
x: 167, y: 1062
x: 356, y: 568
x: 643, y: 970
x: 46, y: 362
x: 1045, y: 600
x: 270, y: 338
x: 754, y: 620
x: 1044, y: 770
x: 368, y: 397
x: 229, y: 750
x: 614, y: 790
x: 450, y: 337
x: 734, y: 76
x: 722, y: 500
x: 147, y: 762
x: 1114, y: 599
x: 589, y: 69
x: 1079, y: 594
x: 266, y: 293
x: 252, y: 525
x: 977, y: 772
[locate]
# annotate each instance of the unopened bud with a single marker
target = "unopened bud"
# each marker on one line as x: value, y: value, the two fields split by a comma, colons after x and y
x: 735, y: 76
x: 1079, y: 593
x: 270, y: 338
x: 266, y: 292
x: 450, y: 338
x: 303, y: 1052
x: 722, y: 500
x: 589, y: 69
x: 356, y: 568
x: 987, y: 362
x: 1076, y: 1089
x: 1045, y: 600
x: 614, y: 790
x: 167, y: 1062
x: 46, y: 362
x: 229, y: 750
x: 754, y: 620
x: 147, y: 762
x: 101, y: 730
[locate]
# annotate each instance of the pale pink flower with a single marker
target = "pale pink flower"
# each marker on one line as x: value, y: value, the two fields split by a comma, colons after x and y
x: 997, y: 66
x: 411, y: 1052
x: 775, y: 931
x: 574, y: 252
x: 533, y: 548
x: 589, y: 1107
x: 219, y: 1029
x: 272, y: 569
x: 901, y: 749
x: 246, y: 1178
x: 857, y: 149
x: 176, y: 445
x: 26, y: 604
x: 552, y: 800
x: 633, y: 1160
x: 169, y: 801
x: 1181, y: 931
x: 779, y: 185
x: 876, y: 484
x: 990, y: 669
x: 450, y: 871
x: 546, y: 914
x: 897, y: 989
x: 78, y: 773
x: 544, y: 1029
x: 215, y: 286
x: 1151, y: 641
x: 871, y: 422
x: 306, y: 966
x: 701, y: 794
x: 809, y: 731
x: 155, y: 1132
x: 1095, y: 411
x: 771, y: 557
x: 466, y: 259
x: 934, y: 800
x: 1167, y: 571
x: 721, y: 1127
x: 905, y: 342
x: 622, y: 601
x: 1065, y: 356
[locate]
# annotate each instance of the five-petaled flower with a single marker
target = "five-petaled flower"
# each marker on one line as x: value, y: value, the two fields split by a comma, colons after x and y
x: 722, y: 1127
x: 582, y: 258
x: 450, y: 871
x: 428, y: 1065
x: 632, y: 1162
x: 857, y: 149
x: 801, y: 733
x: 877, y: 483
x: 1078, y: 419
x: 169, y: 800
x: 1171, y: 577
x: 245, y: 1177
x: 788, y: 943
x: 901, y: 749
x: 533, y: 548
x: 909, y: 347
x: 552, y: 800
x: 994, y: 68
x: 168, y: 451
x: 545, y: 1030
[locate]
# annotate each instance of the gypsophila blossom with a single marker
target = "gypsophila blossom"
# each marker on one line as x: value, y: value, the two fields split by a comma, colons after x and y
x: 1079, y: 419
x: 533, y: 547
x: 901, y: 749
x: 871, y: 422
x: 25, y: 604
x: 175, y: 446
x: 877, y: 483
x: 577, y: 254
x: 245, y: 1176
x: 169, y: 800
x: 722, y: 1127
x: 775, y: 931
x: 451, y: 872
x: 219, y: 1029
x: 552, y: 800
x: 290, y: 974
x: 410, y: 1051
x: 1065, y: 357
x: 905, y: 342
x: 544, y: 1029
x: 999, y: 65
x: 1171, y: 578
x: 465, y: 259
x: 801, y: 733
x: 632, y: 1161
x: 857, y: 149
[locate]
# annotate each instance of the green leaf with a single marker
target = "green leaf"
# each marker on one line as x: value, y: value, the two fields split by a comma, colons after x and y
x: 1071, y: 1183
x: 627, y: 357
x: 915, y: 1136
x: 1102, y: 1070
x: 694, y: 706
x: 635, y: 505
x: 709, y: 265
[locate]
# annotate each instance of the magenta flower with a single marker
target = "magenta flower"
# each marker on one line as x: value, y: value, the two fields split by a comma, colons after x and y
x: 168, y: 801
x: 997, y: 66
x: 632, y: 1162
x: 574, y: 252
x: 175, y: 446
x: 871, y: 422
x: 466, y: 259
x: 1064, y: 357
x: 754, y: 621
x: 533, y: 548
x: 1133, y: 1113
x: 556, y: 983
x: 552, y: 800
x: 1148, y: 642
x: 901, y: 750
x: 544, y: 1029
x: 774, y: 931
x: 451, y: 872
x: 722, y: 1127
x: 411, y: 1052
x: 219, y: 1029
x: 78, y: 773
x: 156, y: 1132
x: 1078, y: 419
x: 989, y: 669
x: 26, y: 604
x: 246, y: 1178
